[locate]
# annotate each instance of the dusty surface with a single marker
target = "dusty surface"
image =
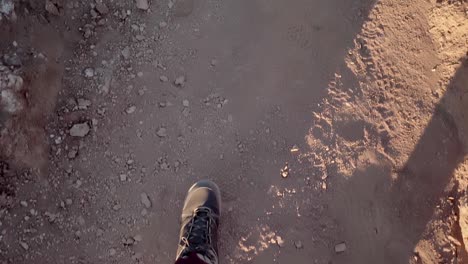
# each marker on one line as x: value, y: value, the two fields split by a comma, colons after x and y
x: 337, y: 130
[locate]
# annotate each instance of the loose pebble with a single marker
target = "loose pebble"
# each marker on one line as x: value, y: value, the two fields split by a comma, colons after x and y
x: 142, y: 4
x: 131, y: 109
x: 79, y: 130
x: 162, y: 132
x: 145, y: 200
x: 298, y: 244
x: 24, y: 245
x: 185, y: 103
x: 180, y: 81
x: 163, y: 78
x: 339, y: 248
x: 89, y: 72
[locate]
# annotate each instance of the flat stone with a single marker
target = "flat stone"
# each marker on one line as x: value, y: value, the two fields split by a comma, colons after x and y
x: 79, y: 130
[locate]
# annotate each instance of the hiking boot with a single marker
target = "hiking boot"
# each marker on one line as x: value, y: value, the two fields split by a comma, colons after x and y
x: 200, y: 219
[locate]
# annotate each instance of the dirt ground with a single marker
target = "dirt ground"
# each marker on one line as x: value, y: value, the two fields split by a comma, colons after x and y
x: 337, y: 130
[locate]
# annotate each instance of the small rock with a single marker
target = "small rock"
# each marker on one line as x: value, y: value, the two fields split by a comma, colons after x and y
x: 112, y: 252
x: 69, y: 201
x: 51, y: 8
x: 180, y: 81
x: 24, y: 203
x: 163, y: 78
x: 142, y: 4
x: 79, y: 130
x: 339, y: 248
x: 162, y: 132
x: 298, y: 244
x: 24, y: 245
x: 83, y: 104
x: 140, y: 74
x: 145, y: 200
x: 138, y: 238
x: 89, y: 72
x: 140, y: 37
x: 128, y: 241
x: 279, y: 241
x: 125, y: 53
x: 185, y: 103
x: 214, y: 62
x: 285, y: 171
x: 123, y: 177
x: 72, y: 154
x: 102, y: 8
x: 131, y: 109
x: 162, y: 24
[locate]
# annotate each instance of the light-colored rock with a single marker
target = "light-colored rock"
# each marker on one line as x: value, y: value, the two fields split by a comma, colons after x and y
x: 51, y: 8
x: 145, y: 200
x: 180, y: 81
x: 163, y: 78
x: 463, y: 219
x: 10, y: 102
x: 88, y: 72
x: 340, y: 248
x: 102, y: 7
x: 125, y: 53
x: 162, y: 132
x: 131, y: 109
x: 142, y: 4
x: 185, y: 103
x: 79, y: 130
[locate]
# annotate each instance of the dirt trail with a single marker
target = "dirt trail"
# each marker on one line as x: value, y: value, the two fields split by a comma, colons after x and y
x: 361, y: 101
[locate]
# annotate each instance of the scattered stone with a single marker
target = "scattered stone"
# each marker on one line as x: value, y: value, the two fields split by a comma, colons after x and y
x: 145, y: 200
x: 298, y: 244
x: 129, y: 241
x: 89, y: 72
x: 79, y: 130
x: 11, y: 102
x: 112, y: 252
x: 123, y: 177
x: 140, y: 74
x: 180, y: 81
x: 116, y: 207
x: 162, y: 132
x: 285, y: 171
x: 214, y: 62
x: 144, y: 212
x: 72, y: 154
x: 140, y: 37
x: 24, y: 203
x: 101, y: 7
x: 138, y: 238
x: 162, y: 24
x: 125, y: 53
x: 131, y: 109
x: 24, y: 245
x: 51, y: 8
x: 294, y: 149
x: 163, y: 78
x: 142, y: 4
x: 68, y: 201
x: 185, y: 103
x: 83, y: 104
x: 340, y: 248
x: 279, y: 241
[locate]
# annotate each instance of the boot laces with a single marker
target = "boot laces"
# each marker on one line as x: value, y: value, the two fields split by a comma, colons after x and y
x: 197, y: 238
